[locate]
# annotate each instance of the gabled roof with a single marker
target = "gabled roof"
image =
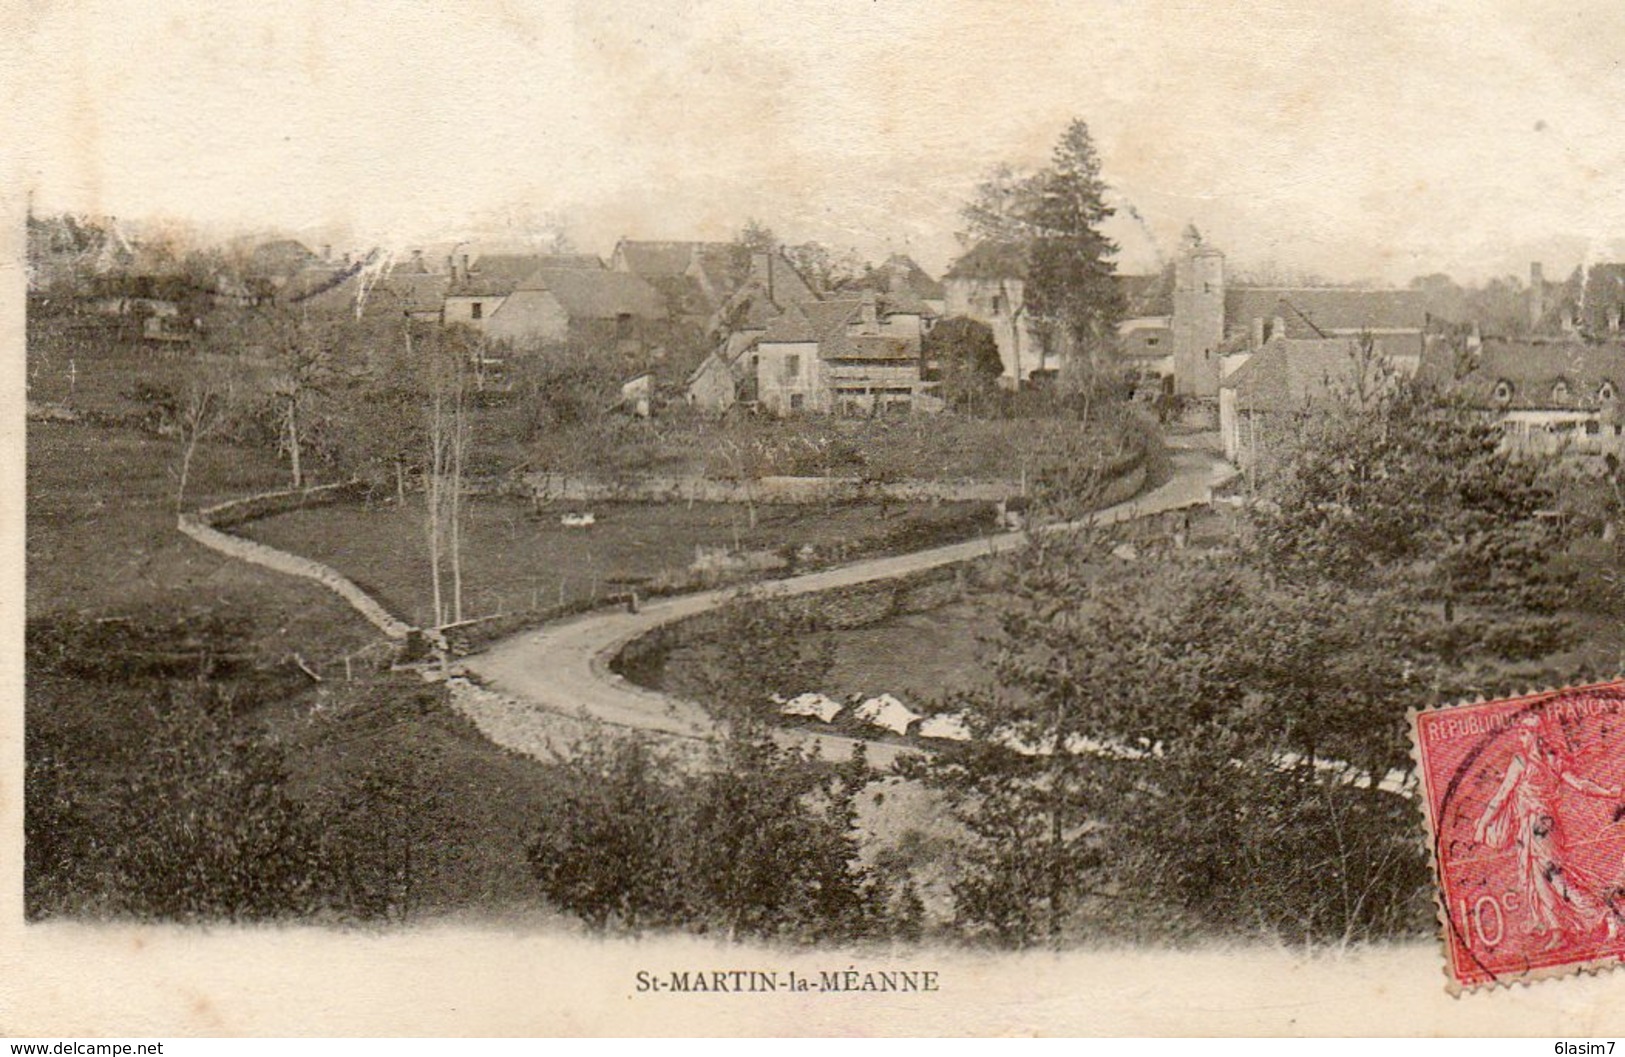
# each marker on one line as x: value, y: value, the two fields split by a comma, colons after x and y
x: 1289, y: 374
x: 826, y: 322
x: 411, y: 291
x: 1534, y: 369
x: 500, y: 274
x: 990, y: 260
x: 1313, y: 312
x: 1146, y: 295
x: 324, y: 287
x: 795, y: 325
x: 588, y: 294
x: 662, y: 258
x: 902, y: 274
x: 524, y: 265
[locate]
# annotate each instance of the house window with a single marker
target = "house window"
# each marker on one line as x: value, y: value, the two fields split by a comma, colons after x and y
x: 998, y: 304
x: 476, y: 310
x: 1503, y: 392
x: 1607, y: 393
x: 1560, y: 393
x: 1153, y: 342
x: 797, y: 401
x: 792, y: 366
x: 1593, y: 428
x: 623, y: 326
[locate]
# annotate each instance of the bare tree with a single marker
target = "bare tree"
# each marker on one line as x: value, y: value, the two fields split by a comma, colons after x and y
x: 302, y: 354
x: 446, y: 372
x: 201, y: 412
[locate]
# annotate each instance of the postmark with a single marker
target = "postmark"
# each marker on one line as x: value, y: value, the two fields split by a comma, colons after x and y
x: 1524, y: 803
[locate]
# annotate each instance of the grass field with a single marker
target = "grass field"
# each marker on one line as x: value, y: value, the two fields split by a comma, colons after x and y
x: 520, y: 559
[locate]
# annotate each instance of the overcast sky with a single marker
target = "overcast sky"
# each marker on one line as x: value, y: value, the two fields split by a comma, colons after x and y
x: 1363, y: 139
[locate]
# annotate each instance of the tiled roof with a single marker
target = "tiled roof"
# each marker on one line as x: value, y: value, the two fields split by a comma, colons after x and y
x: 524, y: 265
x: 839, y: 346
x: 1146, y: 295
x: 990, y: 260
x: 1289, y: 374
x: 796, y: 325
x: 588, y: 294
x: 1312, y: 312
x: 655, y: 258
x: 500, y: 274
x: 412, y: 291
x: 323, y: 287
x: 826, y: 323
x: 1534, y: 371
x: 903, y: 274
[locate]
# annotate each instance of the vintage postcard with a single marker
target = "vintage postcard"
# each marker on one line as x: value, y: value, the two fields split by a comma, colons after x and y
x: 841, y: 518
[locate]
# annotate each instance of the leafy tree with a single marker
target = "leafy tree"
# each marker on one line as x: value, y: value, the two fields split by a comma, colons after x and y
x: 757, y: 237
x: 300, y: 350
x: 1414, y: 488
x: 759, y: 842
x: 207, y: 830
x: 610, y: 852
x: 386, y: 832
x: 827, y: 270
x: 965, y: 359
x: 771, y: 848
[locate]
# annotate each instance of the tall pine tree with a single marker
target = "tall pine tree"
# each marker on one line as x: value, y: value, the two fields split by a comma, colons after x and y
x: 1071, y: 286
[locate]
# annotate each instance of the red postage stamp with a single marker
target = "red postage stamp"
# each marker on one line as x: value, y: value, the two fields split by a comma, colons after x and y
x: 1525, y: 807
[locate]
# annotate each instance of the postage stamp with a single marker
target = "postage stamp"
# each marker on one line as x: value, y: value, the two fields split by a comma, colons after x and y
x: 1524, y: 800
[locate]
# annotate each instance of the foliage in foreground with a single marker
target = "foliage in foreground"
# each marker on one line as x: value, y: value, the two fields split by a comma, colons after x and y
x: 185, y: 809
x: 759, y: 843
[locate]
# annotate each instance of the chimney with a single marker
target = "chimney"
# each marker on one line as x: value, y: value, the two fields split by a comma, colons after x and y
x: 1258, y: 332
x: 871, y: 312
x: 465, y: 267
x: 1537, y: 295
x: 1278, y: 328
x: 451, y: 267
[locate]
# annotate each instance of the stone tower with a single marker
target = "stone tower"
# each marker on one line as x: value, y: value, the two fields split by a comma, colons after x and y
x: 1198, y: 322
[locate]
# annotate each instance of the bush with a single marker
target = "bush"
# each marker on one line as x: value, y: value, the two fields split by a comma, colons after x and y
x: 761, y: 843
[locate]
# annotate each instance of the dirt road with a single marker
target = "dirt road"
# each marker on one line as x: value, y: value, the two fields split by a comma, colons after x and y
x: 563, y: 668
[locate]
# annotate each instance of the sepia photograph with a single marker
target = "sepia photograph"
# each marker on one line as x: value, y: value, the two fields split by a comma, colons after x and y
x: 912, y: 517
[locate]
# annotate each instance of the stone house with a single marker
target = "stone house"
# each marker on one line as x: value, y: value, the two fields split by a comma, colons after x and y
x: 989, y: 284
x: 856, y: 356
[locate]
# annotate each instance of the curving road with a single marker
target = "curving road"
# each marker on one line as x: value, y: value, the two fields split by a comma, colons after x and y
x: 563, y: 668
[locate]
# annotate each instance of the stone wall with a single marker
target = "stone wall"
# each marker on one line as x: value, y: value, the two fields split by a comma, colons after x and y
x: 656, y: 489
x: 644, y: 488
x: 204, y: 527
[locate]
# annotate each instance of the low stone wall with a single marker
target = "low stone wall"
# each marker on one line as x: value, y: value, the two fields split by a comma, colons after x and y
x: 204, y: 527
x: 580, y: 489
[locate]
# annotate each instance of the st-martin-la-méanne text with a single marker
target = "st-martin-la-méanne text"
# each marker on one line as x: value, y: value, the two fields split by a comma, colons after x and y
x: 757, y: 981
